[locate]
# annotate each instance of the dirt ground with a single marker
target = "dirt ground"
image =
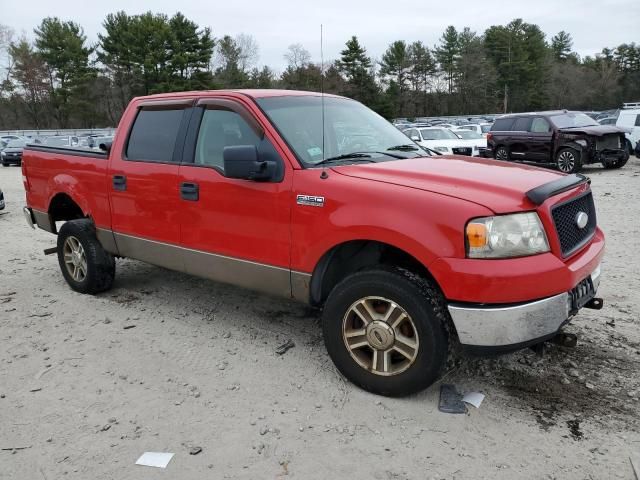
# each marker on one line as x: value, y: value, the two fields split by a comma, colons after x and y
x: 166, y: 362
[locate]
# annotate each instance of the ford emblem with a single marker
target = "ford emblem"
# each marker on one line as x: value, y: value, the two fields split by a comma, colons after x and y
x: 581, y: 220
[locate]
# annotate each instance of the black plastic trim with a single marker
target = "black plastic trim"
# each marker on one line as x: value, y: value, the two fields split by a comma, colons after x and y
x: 540, y: 194
x: 67, y: 151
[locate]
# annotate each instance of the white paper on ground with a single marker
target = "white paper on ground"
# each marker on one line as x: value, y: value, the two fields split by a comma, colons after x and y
x: 155, y: 459
x: 473, y: 398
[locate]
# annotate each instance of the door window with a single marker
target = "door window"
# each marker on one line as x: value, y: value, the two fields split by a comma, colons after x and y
x: 502, y: 125
x: 219, y: 129
x: 154, y: 134
x: 540, y: 125
x: 522, y: 124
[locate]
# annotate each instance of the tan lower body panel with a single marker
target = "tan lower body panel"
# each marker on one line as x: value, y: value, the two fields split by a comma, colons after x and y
x: 244, y: 273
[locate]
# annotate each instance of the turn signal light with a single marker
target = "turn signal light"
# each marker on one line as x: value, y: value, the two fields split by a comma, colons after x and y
x: 476, y: 235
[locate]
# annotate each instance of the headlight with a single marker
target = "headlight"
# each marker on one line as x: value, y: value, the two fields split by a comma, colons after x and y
x: 441, y: 149
x: 505, y: 236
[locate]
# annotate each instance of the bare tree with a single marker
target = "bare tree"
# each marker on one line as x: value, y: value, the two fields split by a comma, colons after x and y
x: 248, y: 51
x: 7, y: 35
x: 297, y: 56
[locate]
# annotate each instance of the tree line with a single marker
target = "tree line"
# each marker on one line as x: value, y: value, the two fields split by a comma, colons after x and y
x: 61, y: 80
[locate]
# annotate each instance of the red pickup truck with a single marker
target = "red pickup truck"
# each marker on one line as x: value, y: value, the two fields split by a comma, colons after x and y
x: 321, y: 200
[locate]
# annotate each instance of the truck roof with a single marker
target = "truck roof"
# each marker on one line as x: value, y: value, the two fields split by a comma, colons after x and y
x: 254, y: 93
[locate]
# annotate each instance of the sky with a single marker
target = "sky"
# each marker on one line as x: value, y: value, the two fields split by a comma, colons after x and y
x: 276, y: 24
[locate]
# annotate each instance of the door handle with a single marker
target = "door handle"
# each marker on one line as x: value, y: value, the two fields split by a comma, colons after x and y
x: 190, y: 191
x: 119, y: 183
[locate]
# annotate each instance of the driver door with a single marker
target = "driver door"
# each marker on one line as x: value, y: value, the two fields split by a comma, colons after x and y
x: 235, y: 231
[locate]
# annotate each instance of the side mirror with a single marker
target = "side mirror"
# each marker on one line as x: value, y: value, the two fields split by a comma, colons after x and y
x: 105, y: 146
x: 243, y: 162
x: 415, y: 138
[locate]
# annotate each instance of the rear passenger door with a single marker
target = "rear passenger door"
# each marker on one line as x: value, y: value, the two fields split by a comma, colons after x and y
x: 540, y: 140
x: 519, y: 139
x: 143, y: 184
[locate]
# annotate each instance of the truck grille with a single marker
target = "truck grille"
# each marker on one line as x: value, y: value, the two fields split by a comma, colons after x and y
x: 462, y: 151
x: 565, y: 219
x: 608, y: 142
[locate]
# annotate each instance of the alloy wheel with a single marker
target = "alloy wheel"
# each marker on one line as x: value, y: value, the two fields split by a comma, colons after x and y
x: 75, y: 259
x: 501, y: 154
x: 380, y: 336
x: 566, y: 161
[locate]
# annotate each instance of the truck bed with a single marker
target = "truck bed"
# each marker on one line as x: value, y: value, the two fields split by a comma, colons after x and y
x: 53, y: 169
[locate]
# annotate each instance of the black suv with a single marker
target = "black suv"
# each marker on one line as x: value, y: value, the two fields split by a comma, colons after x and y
x: 566, y: 139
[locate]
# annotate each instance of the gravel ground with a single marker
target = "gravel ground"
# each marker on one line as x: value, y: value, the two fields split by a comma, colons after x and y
x: 167, y: 362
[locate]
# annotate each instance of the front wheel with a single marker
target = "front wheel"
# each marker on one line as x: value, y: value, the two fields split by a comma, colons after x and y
x: 386, y: 331
x: 85, y: 265
x: 568, y: 161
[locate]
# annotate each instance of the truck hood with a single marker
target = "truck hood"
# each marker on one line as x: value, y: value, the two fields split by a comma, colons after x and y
x: 595, y: 130
x: 496, y: 185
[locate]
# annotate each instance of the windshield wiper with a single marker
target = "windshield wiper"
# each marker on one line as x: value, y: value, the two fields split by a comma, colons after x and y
x: 358, y: 156
x: 407, y: 147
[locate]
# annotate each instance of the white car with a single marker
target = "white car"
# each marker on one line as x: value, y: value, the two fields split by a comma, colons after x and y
x: 630, y: 118
x: 473, y: 140
x: 479, y: 128
x: 442, y: 140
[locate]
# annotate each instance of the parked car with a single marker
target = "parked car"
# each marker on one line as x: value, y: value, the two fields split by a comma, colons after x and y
x: 608, y: 121
x: 2, y: 204
x: 12, y: 153
x: 442, y: 140
x: 629, y: 119
x: 480, y: 128
x: 472, y: 139
x: 5, y: 139
x: 64, y: 141
x: 566, y: 139
x: 405, y: 253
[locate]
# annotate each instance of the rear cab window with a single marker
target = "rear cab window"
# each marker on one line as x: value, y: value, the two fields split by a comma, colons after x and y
x: 154, y: 134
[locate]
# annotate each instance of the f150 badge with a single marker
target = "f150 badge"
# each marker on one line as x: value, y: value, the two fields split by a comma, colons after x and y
x: 310, y: 200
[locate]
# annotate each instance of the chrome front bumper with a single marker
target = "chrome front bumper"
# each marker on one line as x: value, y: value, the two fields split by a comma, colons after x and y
x: 486, y: 326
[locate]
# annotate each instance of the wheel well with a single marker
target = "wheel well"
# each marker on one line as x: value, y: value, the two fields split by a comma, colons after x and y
x: 62, y: 207
x: 350, y: 257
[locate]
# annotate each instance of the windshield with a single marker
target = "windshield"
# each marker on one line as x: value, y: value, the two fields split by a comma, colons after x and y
x: 468, y: 134
x: 350, y: 127
x: 438, y: 134
x: 16, y: 144
x: 573, y: 120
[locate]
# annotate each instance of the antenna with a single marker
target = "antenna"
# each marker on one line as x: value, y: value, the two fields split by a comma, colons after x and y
x: 324, y: 172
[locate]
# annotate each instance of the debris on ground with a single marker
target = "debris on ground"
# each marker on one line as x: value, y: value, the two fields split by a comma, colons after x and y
x: 288, y: 345
x: 473, y: 398
x: 195, y: 450
x: 155, y: 459
x: 451, y: 400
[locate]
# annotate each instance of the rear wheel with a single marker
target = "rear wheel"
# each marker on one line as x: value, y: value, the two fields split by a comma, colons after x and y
x: 385, y: 330
x: 568, y: 160
x: 85, y: 265
x: 501, y: 153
